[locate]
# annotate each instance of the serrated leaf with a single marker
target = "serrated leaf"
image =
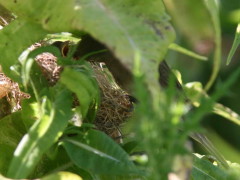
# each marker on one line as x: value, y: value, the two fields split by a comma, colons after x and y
x: 62, y: 176
x: 86, y: 152
x: 236, y: 43
x: 41, y: 135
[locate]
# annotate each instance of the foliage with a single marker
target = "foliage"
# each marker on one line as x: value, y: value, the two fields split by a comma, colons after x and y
x: 42, y: 141
x: 236, y: 43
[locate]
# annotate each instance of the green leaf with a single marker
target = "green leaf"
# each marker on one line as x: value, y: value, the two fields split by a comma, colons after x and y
x: 227, y: 113
x: 15, y: 38
x: 187, y: 52
x: 128, y: 21
x: 63, y: 36
x: 116, y: 177
x: 62, y: 176
x: 236, y: 43
x: 204, y: 169
x: 83, y: 85
x: 207, y: 105
x: 86, y: 152
x: 11, y: 131
x: 4, y: 178
x: 5, y: 16
x: 130, y: 146
x: 50, y: 163
x: 195, y: 93
x: 41, y: 135
x: 213, y: 9
x: 227, y: 149
x: 53, y: 17
x: 234, y: 171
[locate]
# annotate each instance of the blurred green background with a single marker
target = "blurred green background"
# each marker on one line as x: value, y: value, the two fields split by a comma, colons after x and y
x: 195, y: 32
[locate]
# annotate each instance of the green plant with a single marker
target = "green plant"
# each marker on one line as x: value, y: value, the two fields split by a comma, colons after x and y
x: 41, y: 140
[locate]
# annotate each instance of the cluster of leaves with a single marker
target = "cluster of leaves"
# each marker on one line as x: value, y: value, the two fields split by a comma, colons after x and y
x: 39, y: 140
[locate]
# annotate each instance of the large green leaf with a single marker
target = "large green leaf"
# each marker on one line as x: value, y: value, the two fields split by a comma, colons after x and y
x: 42, y: 135
x: 137, y: 30
x: 98, y: 153
x: 126, y: 27
x: 5, y: 16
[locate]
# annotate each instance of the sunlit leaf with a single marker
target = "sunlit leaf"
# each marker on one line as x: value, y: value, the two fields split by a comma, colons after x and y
x: 4, y: 178
x: 41, y: 135
x: 234, y: 171
x: 194, y: 91
x: 62, y: 176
